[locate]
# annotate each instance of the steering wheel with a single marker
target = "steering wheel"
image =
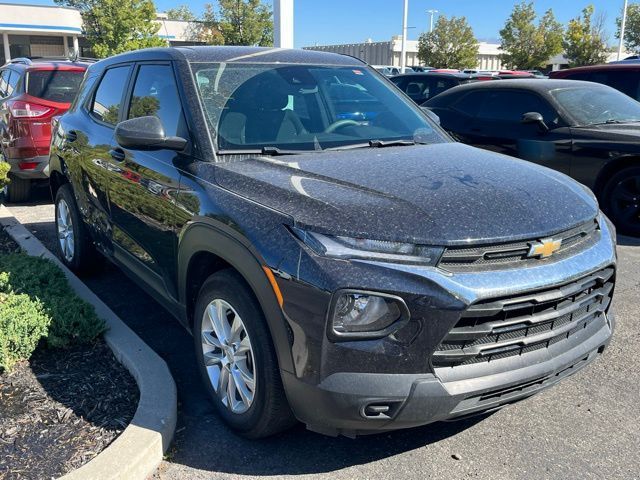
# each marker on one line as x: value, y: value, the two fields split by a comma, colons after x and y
x: 341, y: 124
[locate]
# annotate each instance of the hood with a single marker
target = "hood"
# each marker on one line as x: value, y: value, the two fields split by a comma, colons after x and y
x: 624, y: 137
x: 442, y: 194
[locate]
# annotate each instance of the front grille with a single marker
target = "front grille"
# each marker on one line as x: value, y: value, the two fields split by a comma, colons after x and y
x: 486, y: 257
x: 505, y: 327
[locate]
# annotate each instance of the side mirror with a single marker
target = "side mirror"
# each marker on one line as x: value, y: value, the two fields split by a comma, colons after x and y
x: 431, y: 114
x: 146, y: 133
x: 535, y: 118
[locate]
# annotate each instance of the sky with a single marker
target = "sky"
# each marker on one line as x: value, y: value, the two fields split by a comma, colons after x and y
x: 325, y: 22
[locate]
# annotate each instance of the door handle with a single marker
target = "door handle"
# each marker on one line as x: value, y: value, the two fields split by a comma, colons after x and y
x: 71, y: 136
x: 117, y: 154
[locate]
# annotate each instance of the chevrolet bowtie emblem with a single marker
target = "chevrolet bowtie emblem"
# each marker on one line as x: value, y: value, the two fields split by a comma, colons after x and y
x: 544, y: 248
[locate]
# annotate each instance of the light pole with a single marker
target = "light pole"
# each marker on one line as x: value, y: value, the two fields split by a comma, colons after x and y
x: 403, y: 53
x: 283, y: 23
x: 623, y: 24
x: 431, y: 14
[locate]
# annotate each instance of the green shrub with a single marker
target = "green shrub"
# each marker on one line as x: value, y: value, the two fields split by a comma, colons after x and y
x: 4, y: 172
x: 73, y: 321
x: 23, y: 322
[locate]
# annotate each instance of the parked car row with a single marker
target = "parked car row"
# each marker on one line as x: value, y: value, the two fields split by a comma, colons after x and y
x: 339, y: 259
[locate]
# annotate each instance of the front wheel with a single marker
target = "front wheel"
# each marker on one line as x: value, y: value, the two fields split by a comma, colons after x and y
x: 75, y: 247
x: 621, y: 200
x: 236, y: 358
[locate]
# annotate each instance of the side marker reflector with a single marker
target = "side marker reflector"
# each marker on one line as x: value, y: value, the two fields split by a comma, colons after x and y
x: 274, y: 285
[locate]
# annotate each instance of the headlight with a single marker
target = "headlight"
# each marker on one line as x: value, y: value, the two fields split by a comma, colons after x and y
x: 367, y: 249
x: 356, y: 314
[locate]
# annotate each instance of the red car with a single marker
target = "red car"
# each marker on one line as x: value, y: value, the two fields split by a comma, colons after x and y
x: 621, y: 76
x: 32, y: 92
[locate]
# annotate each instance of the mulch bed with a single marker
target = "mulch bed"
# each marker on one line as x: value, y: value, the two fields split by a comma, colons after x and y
x: 62, y: 408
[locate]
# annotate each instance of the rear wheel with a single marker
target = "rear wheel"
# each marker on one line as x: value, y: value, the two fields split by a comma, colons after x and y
x: 621, y: 200
x: 236, y: 358
x: 74, y: 243
x: 17, y: 190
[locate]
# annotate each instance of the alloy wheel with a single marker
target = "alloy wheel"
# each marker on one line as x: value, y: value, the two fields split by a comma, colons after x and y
x: 625, y: 201
x: 65, y: 230
x: 228, y: 356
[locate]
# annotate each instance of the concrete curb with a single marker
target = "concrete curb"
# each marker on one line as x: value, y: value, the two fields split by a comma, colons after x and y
x: 139, y: 449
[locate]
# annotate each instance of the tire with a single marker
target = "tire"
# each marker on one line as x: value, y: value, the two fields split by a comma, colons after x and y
x: 621, y: 200
x: 267, y: 412
x: 18, y: 189
x: 80, y: 255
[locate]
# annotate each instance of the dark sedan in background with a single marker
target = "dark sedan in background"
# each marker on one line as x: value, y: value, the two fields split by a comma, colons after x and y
x: 586, y: 130
x: 423, y: 86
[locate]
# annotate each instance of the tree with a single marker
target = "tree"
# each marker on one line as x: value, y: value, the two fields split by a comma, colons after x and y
x: 182, y: 13
x: 525, y: 45
x: 208, y: 27
x: 246, y: 22
x: 116, y: 26
x: 632, y: 28
x: 585, y: 42
x: 451, y: 44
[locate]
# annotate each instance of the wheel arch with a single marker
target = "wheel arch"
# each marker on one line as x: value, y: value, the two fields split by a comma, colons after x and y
x: 56, y: 176
x: 205, y: 248
x: 610, y: 169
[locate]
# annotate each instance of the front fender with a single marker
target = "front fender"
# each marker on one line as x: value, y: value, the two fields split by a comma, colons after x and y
x: 205, y: 235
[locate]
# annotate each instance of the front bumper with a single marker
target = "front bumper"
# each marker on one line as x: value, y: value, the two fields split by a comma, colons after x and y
x: 341, y: 404
x: 358, y: 387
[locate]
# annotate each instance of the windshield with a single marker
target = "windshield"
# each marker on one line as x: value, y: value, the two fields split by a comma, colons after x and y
x: 54, y: 85
x: 597, y: 105
x: 253, y: 107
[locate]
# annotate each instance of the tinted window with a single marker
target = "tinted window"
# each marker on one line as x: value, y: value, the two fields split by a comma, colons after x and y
x: 12, y: 82
x: 471, y: 103
x: 626, y: 81
x: 509, y: 106
x: 440, y: 85
x: 55, y: 85
x: 155, y: 94
x: 108, y: 97
x: 4, y: 80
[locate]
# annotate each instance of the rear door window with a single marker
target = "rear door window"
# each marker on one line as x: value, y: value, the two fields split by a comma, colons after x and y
x: 471, y: 103
x: 108, y: 98
x: 59, y: 86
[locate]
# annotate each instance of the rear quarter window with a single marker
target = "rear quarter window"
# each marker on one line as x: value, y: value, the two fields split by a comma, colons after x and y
x: 59, y: 86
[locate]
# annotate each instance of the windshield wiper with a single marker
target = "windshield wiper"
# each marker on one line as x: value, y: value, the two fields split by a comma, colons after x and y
x: 275, y: 151
x: 612, y: 121
x: 390, y: 143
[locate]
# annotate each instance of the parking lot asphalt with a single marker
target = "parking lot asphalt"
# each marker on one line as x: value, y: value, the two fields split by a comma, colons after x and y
x: 586, y: 427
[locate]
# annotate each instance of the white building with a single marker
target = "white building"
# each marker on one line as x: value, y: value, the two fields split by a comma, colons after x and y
x: 388, y: 53
x: 39, y: 30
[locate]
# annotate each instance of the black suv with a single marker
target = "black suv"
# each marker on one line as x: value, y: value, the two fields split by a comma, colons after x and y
x: 338, y: 258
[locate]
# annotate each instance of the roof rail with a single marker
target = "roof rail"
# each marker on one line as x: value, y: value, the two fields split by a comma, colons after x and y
x: 24, y: 60
x: 33, y: 60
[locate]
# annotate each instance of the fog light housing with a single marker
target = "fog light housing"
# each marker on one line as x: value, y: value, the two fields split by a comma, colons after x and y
x: 356, y: 314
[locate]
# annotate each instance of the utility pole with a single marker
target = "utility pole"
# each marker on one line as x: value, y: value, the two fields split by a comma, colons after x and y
x: 403, y: 53
x: 431, y: 14
x: 283, y: 23
x: 623, y: 24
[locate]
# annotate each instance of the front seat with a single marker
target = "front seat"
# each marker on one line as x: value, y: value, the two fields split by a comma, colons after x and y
x: 269, y: 120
